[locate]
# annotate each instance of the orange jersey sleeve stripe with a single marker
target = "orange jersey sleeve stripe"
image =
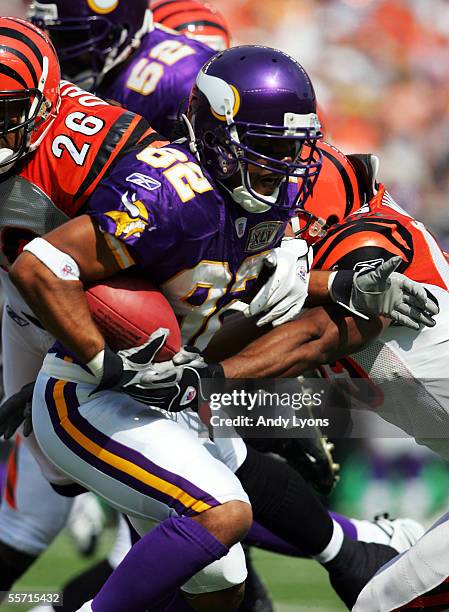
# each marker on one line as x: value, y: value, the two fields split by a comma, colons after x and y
x: 356, y: 241
x: 394, y: 234
x: 323, y: 246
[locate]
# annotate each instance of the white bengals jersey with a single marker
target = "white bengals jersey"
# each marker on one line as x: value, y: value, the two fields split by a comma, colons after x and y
x: 403, y: 374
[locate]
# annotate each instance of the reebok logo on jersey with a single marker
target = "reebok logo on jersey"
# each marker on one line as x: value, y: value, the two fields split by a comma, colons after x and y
x: 144, y: 181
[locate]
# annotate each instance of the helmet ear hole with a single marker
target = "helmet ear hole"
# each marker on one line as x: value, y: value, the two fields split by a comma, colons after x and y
x: 221, y: 156
x: 331, y: 220
x: 210, y: 139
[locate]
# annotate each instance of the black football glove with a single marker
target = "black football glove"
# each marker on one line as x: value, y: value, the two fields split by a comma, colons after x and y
x: 181, y: 386
x: 17, y: 410
x: 125, y: 370
x: 172, y: 385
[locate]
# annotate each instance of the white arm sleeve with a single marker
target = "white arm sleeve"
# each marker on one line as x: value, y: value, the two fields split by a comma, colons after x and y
x: 62, y: 265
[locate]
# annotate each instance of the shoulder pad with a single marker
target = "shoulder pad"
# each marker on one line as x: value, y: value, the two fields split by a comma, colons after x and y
x: 366, y: 167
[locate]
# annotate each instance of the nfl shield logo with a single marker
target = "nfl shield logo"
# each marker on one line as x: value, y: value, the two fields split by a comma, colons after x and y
x: 189, y: 396
x: 240, y: 226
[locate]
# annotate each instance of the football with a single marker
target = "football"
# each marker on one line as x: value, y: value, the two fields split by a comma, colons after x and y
x: 128, y: 309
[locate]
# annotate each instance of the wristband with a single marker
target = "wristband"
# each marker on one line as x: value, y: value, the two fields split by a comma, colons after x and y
x: 340, y: 287
x: 61, y: 264
x: 110, y: 371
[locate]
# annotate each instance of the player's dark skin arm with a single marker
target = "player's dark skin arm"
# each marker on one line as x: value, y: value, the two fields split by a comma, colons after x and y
x: 59, y: 304
x: 320, y: 336
x: 318, y: 288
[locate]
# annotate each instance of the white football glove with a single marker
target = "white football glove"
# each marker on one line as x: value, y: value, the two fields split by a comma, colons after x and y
x: 283, y: 295
x: 383, y: 291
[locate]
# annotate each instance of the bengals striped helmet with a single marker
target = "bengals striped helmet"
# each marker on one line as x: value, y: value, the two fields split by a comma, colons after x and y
x: 194, y: 19
x: 29, y: 88
x: 340, y: 190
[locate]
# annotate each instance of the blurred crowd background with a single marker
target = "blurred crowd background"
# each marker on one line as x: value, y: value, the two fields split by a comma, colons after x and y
x: 381, y: 72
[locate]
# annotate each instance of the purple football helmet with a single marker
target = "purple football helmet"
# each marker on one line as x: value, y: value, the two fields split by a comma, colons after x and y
x: 91, y: 36
x: 250, y: 105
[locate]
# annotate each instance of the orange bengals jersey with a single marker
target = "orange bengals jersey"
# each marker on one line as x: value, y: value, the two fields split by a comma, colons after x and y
x: 54, y: 183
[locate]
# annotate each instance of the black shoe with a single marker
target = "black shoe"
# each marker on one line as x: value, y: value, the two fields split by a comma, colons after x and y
x: 256, y: 597
x: 354, y: 566
x: 312, y: 458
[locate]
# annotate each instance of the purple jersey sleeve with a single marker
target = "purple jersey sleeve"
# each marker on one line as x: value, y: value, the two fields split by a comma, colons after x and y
x: 163, y: 223
x: 159, y: 77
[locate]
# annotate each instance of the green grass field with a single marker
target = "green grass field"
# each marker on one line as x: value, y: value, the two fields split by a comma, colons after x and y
x: 295, y: 585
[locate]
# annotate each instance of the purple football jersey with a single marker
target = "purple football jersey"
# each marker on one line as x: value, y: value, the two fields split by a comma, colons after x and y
x: 158, y: 77
x: 185, y: 233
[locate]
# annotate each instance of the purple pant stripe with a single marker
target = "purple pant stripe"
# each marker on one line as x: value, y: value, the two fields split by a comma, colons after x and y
x: 121, y: 451
x: 59, y: 351
x: 130, y: 454
x: 92, y: 460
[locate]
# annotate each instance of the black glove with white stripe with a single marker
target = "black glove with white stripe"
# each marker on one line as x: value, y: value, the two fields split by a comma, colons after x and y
x: 180, y: 387
x: 125, y: 369
x: 172, y: 385
x: 383, y: 291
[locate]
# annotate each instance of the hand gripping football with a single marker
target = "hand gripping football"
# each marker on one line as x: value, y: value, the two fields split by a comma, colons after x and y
x: 128, y: 309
